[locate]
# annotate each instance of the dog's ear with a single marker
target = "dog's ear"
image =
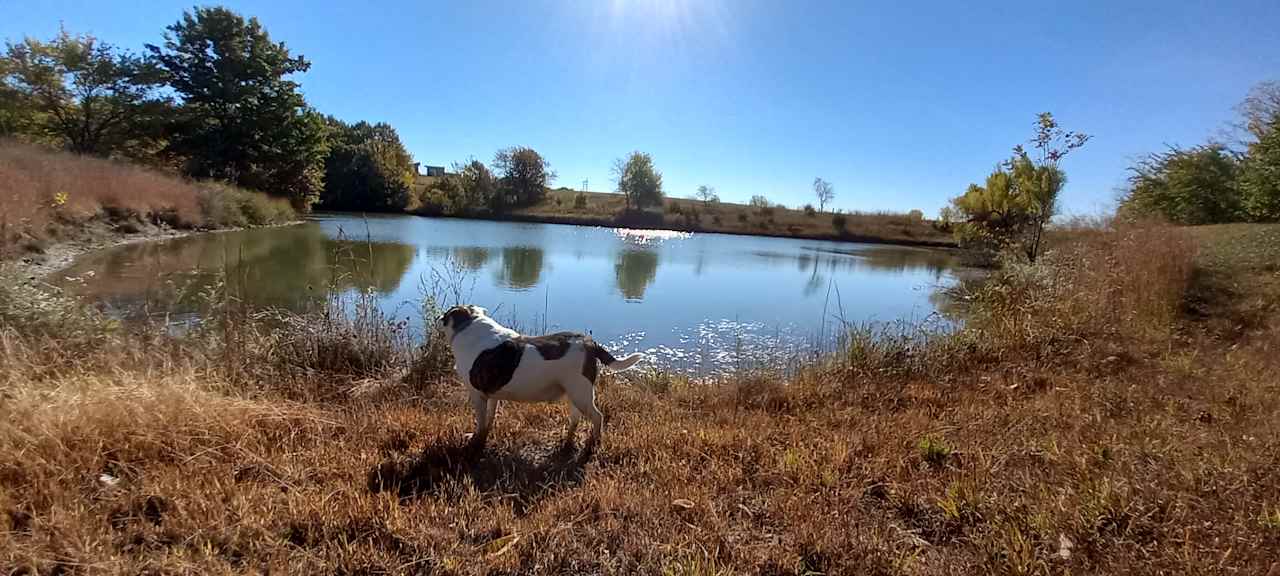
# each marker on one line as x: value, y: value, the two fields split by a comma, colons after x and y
x: 458, y: 317
x: 478, y: 310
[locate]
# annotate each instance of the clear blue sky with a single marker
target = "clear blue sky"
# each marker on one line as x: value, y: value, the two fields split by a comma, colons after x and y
x: 899, y: 104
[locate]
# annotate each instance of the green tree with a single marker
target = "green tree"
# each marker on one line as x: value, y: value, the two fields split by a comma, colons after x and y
x: 638, y: 181
x: 367, y: 168
x: 1020, y: 196
x: 242, y: 119
x: 1187, y: 186
x: 759, y: 201
x: 81, y: 94
x: 477, y: 185
x: 15, y: 111
x: 1260, y: 176
x: 523, y: 175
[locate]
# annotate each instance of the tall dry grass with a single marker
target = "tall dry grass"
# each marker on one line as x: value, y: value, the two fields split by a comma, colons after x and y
x: 909, y: 454
x: 1111, y: 281
x: 49, y: 194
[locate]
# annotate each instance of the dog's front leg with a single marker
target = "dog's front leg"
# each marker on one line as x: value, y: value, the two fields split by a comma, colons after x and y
x: 480, y: 405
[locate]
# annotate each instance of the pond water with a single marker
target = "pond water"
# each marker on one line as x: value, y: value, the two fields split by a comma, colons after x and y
x: 703, y: 301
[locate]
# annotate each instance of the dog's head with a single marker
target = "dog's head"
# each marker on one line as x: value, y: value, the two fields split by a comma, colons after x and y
x: 457, y: 318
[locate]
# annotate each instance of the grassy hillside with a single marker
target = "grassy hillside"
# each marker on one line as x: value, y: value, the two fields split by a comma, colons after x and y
x: 1112, y: 409
x: 607, y: 209
x: 51, y: 196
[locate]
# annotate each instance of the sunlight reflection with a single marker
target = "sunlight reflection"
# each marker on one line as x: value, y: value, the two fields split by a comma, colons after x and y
x: 648, y: 237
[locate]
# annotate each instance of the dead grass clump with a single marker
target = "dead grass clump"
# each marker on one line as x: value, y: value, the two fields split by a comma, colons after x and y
x: 361, y: 342
x: 1125, y: 281
x: 759, y: 390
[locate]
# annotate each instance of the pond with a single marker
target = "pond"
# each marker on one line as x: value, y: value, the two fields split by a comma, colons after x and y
x: 701, y: 301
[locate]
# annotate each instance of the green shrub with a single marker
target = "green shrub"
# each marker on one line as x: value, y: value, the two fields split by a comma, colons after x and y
x: 809, y: 211
x: 225, y: 206
x: 742, y: 217
x: 933, y: 451
x: 1186, y: 186
x: 580, y: 201
x: 1260, y: 177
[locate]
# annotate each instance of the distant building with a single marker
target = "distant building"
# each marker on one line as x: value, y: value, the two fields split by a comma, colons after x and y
x: 435, y: 171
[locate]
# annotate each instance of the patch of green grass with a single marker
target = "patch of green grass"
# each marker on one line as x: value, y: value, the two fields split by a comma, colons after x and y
x: 1239, y: 247
x: 933, y: 451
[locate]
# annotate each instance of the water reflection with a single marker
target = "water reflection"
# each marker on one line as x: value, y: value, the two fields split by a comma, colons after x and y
x: 285, y: 267
x: 713, y: 289
x: 635, y: 270
x: 471, y: 257
x: 894, y: 258
x: 521, y: 267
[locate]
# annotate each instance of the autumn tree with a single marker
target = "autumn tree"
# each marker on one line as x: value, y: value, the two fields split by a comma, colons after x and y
x: 367, y: 168
x: 1012, y: 207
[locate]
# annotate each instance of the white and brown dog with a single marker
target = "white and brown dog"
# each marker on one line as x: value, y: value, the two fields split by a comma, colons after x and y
x: 498, y: 363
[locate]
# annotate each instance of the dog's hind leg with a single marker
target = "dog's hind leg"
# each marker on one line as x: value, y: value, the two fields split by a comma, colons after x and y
x: 575, y: 416
x: 583, y: 396
x: 491, y: 412
x: 480, y: 405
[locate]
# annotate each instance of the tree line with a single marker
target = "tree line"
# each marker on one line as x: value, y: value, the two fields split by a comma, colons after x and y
x: 213, y: 99
x: 519, y: 176
x: 1215, y: 182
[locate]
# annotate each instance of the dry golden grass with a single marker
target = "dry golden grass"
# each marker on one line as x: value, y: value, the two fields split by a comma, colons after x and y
x: 1137, y: 440
x: 50, y: 195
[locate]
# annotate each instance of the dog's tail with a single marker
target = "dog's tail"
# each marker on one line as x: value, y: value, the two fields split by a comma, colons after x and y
x: 615, y: 364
